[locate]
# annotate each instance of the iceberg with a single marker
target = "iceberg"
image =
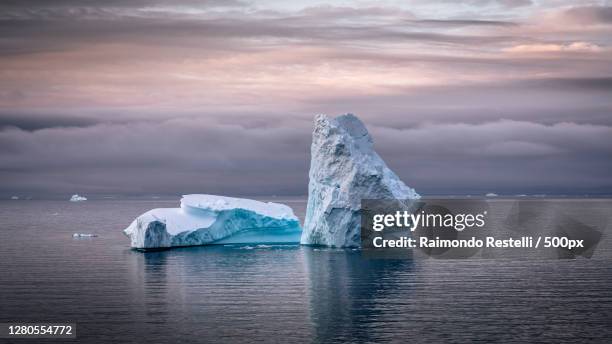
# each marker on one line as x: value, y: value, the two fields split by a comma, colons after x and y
x: 491, y: 194
x: 77, y: 198
x: 210, y: 219
x: 14, y: 198
x: 344, y: 169
x: 84, y: 235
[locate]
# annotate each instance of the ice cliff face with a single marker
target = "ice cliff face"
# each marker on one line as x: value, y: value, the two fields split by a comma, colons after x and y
x: 208, y: 219
x: 344, y: 169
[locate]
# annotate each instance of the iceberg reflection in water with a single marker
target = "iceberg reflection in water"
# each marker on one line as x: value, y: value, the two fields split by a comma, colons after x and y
x: 348, y: 294
x: 266, y: 291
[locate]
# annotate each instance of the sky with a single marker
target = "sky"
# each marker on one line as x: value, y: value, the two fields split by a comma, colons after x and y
x: 150, y: 97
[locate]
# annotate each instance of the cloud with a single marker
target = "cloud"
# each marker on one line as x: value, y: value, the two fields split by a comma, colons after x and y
x: 505, y: 156
x: 588, y: 15
x: 517, y: 149
x: 465, y: 23
x: 553, y: 48
x: 487, y: 3
x: 502, y: 138
x: 167, y: 97
x: 31, y: 122
x: 545, y: 101
x: 155, y: 157
x: 324, y: 25
x: 46, y: 4
x: 196, y: 155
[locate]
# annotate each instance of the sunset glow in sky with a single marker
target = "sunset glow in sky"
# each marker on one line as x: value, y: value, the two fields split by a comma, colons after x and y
x: 170, y: 97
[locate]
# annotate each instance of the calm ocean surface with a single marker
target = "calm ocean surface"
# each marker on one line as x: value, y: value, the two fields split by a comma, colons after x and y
x: 285, y: 294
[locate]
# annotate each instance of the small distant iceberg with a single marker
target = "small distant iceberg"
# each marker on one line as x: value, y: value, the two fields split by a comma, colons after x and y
x: 77, y: 198
x: 211, y: 219
x: 14, y: 198
x: 84, y: 235
x: 491, y: 194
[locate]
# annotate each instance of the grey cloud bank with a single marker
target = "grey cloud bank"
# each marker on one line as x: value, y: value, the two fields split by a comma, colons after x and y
x: 181, y: 156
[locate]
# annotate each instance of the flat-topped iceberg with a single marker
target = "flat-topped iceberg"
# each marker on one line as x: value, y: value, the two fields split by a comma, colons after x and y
x: 210, y: 219
x: 344, y: 169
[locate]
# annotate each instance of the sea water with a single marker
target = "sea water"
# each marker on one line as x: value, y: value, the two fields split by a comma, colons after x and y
x: 282, y: 293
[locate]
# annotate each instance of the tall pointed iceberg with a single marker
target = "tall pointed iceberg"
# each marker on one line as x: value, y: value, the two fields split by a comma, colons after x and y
x: 344, y: 169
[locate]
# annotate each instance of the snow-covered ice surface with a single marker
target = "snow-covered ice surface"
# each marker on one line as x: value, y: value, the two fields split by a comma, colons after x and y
x: 77, y: 198
x: 210, y: 219
x: 344, y: 169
